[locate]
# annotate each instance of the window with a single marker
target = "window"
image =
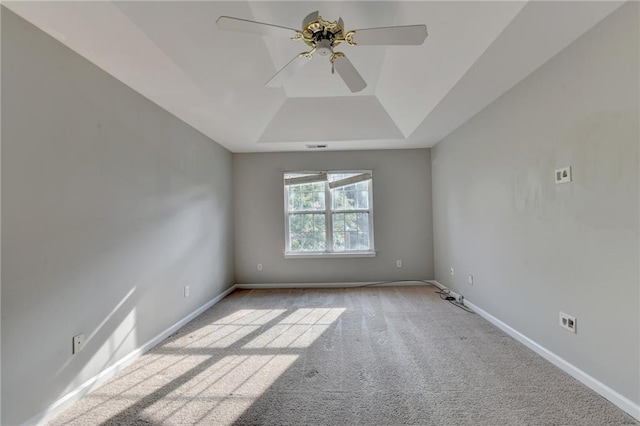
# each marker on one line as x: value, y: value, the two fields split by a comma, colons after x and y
x: 328, y: 213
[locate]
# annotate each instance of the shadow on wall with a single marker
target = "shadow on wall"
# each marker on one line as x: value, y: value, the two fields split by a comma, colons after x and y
x: 155, y: 277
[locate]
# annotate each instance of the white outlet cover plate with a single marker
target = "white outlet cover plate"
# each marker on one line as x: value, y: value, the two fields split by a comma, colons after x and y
x: 563, y: 175
x: 470, y: 280
x: 566, y: 320
x: 78, y: 343
x: 186, y: 291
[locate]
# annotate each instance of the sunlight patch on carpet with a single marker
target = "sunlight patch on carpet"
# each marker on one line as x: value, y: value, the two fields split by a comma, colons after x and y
x: 229, y: 388
x: 298, y: 330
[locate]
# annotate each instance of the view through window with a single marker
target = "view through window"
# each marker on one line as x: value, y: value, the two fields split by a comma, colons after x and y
x: 329, y: 213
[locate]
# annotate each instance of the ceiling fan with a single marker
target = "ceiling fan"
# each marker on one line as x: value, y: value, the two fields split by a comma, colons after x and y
x: 322, y: 36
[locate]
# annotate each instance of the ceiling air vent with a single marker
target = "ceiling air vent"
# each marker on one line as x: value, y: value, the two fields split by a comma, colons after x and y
x: 316, y: 146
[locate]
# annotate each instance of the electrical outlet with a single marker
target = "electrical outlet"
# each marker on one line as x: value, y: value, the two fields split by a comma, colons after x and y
x: 259, y: 266
x: 78, y: 343
x: 399, y: 263
x: 470, y: 279
x: 568, y: 322
x: 563, y: 175
x: 186, y: 291
x: 451, y: 270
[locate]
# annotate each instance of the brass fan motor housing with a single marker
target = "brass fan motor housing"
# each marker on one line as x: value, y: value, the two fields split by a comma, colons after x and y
x: 315, y: 32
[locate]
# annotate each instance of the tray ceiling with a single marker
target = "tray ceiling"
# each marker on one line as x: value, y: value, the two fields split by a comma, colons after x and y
x: 172, y: 53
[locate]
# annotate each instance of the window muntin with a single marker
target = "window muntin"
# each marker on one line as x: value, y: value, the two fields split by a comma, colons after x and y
x: 328, y: 213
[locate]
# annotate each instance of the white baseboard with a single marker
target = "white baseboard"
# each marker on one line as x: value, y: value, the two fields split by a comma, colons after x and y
x: 66, y: 401
x: 256, y: 286
x: 620, y: 401
x: 70, y: 398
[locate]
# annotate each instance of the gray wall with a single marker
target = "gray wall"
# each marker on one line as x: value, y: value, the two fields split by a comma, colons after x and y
x: 536, y: 248
x: 110, y: 206
x: 401, y: 217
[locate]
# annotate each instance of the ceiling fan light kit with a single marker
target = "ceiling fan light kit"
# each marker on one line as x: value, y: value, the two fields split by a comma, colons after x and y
x: 322, y: 37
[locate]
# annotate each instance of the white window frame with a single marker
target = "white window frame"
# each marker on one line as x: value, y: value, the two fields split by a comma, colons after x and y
x: 328, y: 211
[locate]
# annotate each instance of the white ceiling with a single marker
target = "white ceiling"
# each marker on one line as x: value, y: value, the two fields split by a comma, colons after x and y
x: 173, y: 53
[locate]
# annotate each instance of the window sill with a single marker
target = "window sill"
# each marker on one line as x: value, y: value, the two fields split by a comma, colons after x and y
x: 329, y: 255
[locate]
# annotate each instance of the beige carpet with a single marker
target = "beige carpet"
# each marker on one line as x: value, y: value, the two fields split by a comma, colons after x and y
x: 362, y: 356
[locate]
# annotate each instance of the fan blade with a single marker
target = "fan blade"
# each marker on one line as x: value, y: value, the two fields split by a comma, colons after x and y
x: 349, y: 74
x: 244, y: 25
x: 387, y: 36
x: 309, y: 18
x: 287, y: 71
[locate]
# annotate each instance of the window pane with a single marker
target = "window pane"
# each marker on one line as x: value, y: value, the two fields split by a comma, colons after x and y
x: 338, y: 222
x: 319, y: 223
x: 344, y: 198
x: 363, y: 222
x: 350, y: 222
x: 294, y: 200
x: 318, y: 203
x: 307, y: 232
x: 350, y: 198
x: 295, y: 223
x: 350, y: 231
x: 306, y: 197
x: 363, y: 199
x: 338, y: 198
x: 338, y: 241
x: 352, y: 240
x: 363, y: 240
